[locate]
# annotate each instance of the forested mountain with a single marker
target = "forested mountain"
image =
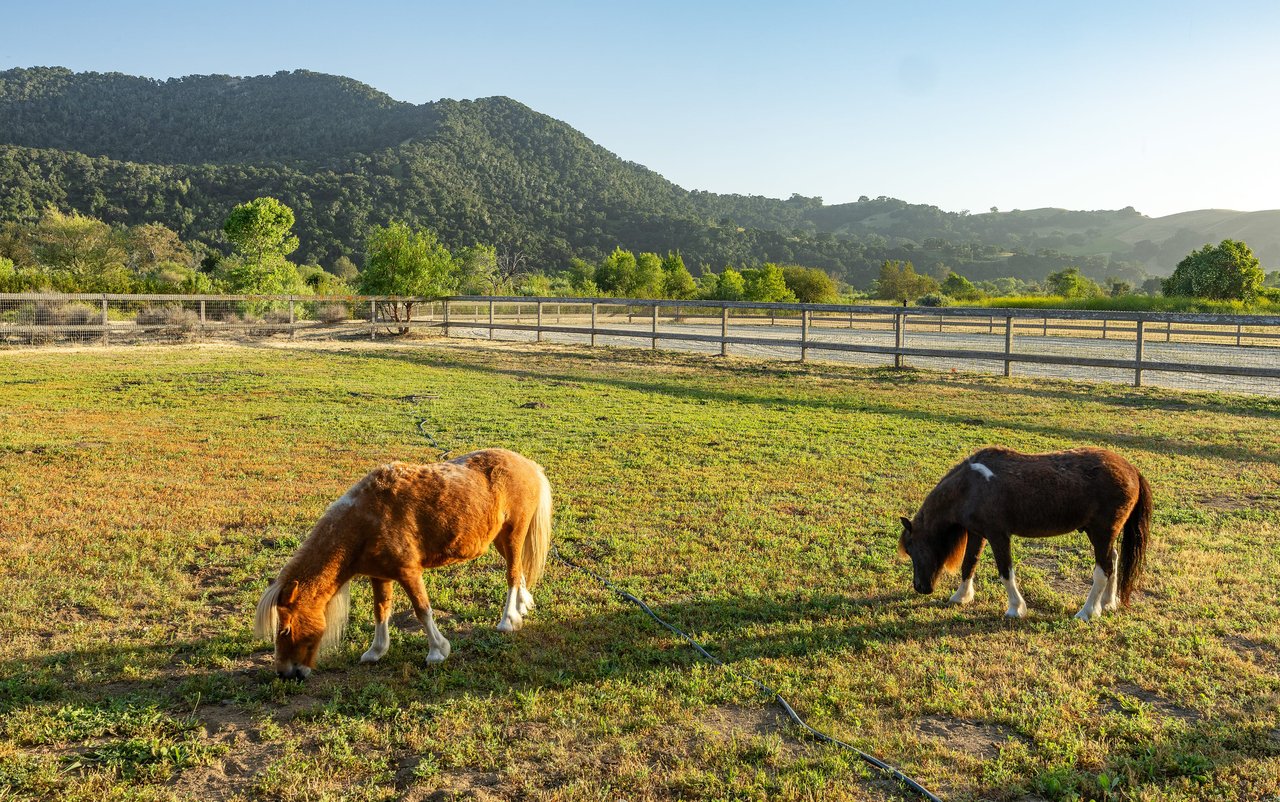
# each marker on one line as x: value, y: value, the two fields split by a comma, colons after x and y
x: 346, y: 158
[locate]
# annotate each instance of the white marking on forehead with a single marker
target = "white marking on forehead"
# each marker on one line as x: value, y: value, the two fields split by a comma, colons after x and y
x: 983, y: 469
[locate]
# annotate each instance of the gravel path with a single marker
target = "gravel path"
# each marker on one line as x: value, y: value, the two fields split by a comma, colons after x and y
x: 1155, y: 349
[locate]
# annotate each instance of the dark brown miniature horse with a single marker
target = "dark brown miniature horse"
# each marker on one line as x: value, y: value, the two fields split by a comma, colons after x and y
x: 998, y: 493
x: 393, y: 524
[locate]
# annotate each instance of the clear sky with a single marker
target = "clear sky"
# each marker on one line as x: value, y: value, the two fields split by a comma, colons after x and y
x: 1166, y: 106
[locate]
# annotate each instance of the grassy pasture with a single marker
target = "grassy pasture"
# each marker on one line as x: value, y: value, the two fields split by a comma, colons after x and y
x: 148, y: 494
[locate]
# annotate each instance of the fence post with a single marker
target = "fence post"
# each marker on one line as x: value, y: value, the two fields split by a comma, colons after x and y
x: 804, y: 335
x: 1168, y: 330
x: 538, y: 336
x: 724, y: 331
x: 593, y: 324
x: 1137, y: 360
x: 1237, y: 335
x: 373, y: 319
x: 490, y: 318
x: 1045, y: 331
x: 899, y: 337
x: 850, y: 318
x: 293, y: 332
x: 654, y: 345
x: 106, y: 334
x: 1104, y: 328
x: 444, y: 318
x: 1008, y: 344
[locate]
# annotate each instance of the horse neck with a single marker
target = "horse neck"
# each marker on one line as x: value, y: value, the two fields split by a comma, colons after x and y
x: 319, y: 566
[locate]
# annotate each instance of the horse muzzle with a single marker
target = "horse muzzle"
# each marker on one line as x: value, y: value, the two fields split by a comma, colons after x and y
x: 922, y: 588
x: 294, y: 672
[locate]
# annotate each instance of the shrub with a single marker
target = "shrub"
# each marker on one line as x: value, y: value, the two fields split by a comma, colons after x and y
x: 171, y: 318
x: 333, y: 313
x: 933, y: 299
x: 59, y: 313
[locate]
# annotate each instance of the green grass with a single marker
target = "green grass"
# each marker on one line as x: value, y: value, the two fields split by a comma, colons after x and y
x: 148, y: 494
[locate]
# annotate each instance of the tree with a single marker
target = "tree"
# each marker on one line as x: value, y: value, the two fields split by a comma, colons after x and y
x: 729, y: 286
x: 899, y: 281
x: 677, y: 281
x: 1226, y: 271
x: 648, y: 278
x: 958, y: 287
x: 767, y: 284
x: 80, y: 253
x: 1071, y: 283
x: 344, y: 268
x: 403, y: 261
x: 259, y: 229
x: 615, y: 272
x: 810, y: 285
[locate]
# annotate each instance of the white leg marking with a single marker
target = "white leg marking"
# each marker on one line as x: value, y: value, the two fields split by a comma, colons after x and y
x: 1111, y: 597
x: 526, y: 599
x: 1093, y: 605
x: 985, y: 472
x: 963, y: 594
x: 511, y: 618
x: 381, y: 640
x: 1017, y: 605
x: 439, y: 646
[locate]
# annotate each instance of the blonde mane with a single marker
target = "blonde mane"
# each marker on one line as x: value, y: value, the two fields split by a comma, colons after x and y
x: 266, y: 621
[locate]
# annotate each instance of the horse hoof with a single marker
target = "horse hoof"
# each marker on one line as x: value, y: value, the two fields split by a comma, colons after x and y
x: 370, y: 657
x: 1018, y: 612
x: 437, y: 655
x: 1086, y: 616
x: 510, y: 624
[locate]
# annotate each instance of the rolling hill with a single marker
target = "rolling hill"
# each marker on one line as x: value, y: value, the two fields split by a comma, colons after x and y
x: 346, y: 157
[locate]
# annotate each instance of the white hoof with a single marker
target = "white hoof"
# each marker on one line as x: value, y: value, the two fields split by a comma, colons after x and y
x: 962, y: 596
x: 510, y: 623
x: 439, y: 653
x: 371, y: 656
x: 1016, y: 612
x: 1088, y: 615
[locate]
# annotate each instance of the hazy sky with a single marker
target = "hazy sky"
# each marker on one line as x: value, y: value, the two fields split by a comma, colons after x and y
x: 1165, y: 106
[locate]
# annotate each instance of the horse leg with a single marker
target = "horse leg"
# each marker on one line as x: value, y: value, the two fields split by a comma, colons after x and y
x: 381, y: 615
x: 1111, y: 597
x: 526, y: 598
x: 417, y: 591
x: 510, y: 544
x: 964, y: 594
x: 1103, y: 572
x: 1004, y: 564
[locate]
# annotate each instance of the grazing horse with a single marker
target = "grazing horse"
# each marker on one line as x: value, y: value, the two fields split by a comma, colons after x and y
x: 393, y: 524
x: 998, y: 493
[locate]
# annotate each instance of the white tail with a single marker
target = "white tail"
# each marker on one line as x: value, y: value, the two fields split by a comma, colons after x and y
x: 538, y: 540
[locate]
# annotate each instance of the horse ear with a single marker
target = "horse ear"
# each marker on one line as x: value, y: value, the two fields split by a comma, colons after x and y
x: 906, y: 524
x: 289, y: 593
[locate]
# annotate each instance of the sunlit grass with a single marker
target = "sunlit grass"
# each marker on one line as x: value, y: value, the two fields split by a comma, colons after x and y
x: 150, y: 493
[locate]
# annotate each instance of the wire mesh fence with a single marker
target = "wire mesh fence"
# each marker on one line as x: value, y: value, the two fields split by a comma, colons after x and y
x: 1239, y: 353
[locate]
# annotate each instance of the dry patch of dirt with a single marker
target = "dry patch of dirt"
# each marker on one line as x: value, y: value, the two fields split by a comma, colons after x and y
x: 981, y: 739
x: 1256, y: 651
x: 1121, y: 696
x: 737, y: 721
x: 1249, y: 501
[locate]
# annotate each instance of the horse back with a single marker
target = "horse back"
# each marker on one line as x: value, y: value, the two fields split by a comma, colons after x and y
x: 1039, y: 495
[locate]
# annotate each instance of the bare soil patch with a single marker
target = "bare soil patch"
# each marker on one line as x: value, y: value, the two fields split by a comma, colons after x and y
x: 978, y: 738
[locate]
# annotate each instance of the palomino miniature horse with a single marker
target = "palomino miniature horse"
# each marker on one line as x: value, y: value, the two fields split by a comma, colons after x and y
x: 393, y: 524
x: 997, y: 493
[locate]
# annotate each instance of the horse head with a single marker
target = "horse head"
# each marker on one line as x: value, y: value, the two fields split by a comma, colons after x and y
x: 301, y: 624
x: 932, y: 549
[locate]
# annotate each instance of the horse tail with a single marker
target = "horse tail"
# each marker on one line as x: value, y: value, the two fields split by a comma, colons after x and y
x: 537, y: 541
x: 1133, y: 547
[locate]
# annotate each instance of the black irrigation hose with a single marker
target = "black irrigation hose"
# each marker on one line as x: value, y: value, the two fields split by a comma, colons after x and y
x: 424, y: 419
x: 897, y: 774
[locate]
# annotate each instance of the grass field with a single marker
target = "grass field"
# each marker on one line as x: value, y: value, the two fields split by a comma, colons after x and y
x: 149, y: 494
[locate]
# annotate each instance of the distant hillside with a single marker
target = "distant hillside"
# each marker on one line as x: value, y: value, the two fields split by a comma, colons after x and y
x: 346, y: 157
